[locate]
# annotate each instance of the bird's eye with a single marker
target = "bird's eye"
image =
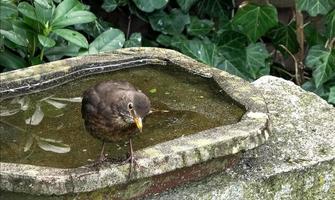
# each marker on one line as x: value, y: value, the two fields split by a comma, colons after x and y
x: 130, y: 106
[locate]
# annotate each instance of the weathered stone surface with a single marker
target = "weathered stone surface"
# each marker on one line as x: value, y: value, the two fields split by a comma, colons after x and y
x: 298, y: 162
x: 250, y: 132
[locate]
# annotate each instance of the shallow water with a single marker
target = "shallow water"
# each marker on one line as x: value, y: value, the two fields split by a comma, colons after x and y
x: 193, y: 103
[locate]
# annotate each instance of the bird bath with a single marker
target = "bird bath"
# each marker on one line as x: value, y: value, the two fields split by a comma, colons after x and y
x: 204, y: 117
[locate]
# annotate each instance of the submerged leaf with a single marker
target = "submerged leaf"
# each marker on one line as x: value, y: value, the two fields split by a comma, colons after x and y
x: 24, y: 102
x: 4, y: 113
x: 153, y: 90
x: 55, y: 146
x: 74, y: 99
x: 56, y: 104
x: 28, y: 144
x: 37, y: 117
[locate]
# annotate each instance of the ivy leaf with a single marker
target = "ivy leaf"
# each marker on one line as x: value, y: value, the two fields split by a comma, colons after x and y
x: 45, y: 41
x: 255, y: 20
x: 256, y: 60
x: 213, y: 8
x: 72, y: 36
x: 313, y: 36
x: 315, y: 7
x: 150, y: 5
x: 330, y: 24
x: 322, y: 62
x: 172, y: 23
x: 174, y: 41
x: 331, y: 98
x: 232, y: 46
x: 135, y: 40
x: 285, y: 35
x: 227, y: 66
x: 204, y: 51
x: 185, y: 5
x: 109, y: 40
x: 199, y: 27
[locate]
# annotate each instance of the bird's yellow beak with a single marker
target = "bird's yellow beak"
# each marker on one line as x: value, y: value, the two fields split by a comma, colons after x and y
x: 137, y: 120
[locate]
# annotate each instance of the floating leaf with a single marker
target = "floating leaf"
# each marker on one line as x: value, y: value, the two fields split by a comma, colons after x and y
x: 4, y: 113
x: 153, y: 90
x: 37, y: 117
x: 56, y: 104
x: 29, y: 143
x: 51, y: 145
x: 74, y: 99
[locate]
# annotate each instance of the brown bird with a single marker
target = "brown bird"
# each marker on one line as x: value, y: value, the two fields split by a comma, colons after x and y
x: 112, y: 110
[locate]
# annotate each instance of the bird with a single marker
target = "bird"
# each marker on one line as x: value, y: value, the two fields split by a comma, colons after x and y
x: 112, y: 111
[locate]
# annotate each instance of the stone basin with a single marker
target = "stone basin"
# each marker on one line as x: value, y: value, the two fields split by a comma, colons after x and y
x: 162, y: 165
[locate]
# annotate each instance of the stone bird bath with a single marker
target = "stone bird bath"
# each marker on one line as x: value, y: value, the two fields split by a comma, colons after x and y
x: 162, y: 165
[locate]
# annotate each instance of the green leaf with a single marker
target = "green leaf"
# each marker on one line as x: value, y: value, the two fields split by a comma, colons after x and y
x: 109, y: 5
x: 135, y: 40
x: 7, y: 10
x: 173, y: 23
x: 171, y: 41
x: 75, y: 17
x: 150, y: 5
x: 27, y: 10
x: 199, y: 27
x: 204, y: 51
x: 331, y: 98
x: 330, y: 24
x: 45, y: 41
x: 285, y: 35
x: 213, y: 8
x: 322, y: 62
x: 315, y: 7
x: 310, y: 86
x: 313, y: 36
x: 65, y: 7
x: 227, y: 66
x: 44, y: 13
x: 44, y: 3
x: 11, y: 61
x: 257, y: 56
x: 12, y: 36
x: 72, y: 36
x: 57, y: 52
x: 232, y: 46
x: 109, y: 40
x: 254, y: 20
x: 185, y: 5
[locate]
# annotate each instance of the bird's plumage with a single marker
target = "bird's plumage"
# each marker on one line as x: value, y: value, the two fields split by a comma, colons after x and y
x: 106, y: 113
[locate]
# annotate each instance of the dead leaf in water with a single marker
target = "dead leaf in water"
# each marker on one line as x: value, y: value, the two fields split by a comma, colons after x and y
x: 153, y: 90
x: 28, y: 144
x: 56, y: 104
x: 74, y: 99
x: 51, y: 145
x: 5, y: 113
x: 37, y: 117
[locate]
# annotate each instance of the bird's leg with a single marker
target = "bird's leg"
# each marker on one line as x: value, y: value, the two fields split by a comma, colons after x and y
x: 102, y: 153
x: 131, y: 159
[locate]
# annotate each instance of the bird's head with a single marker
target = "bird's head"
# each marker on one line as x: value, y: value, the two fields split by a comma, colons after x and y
x: 135, y: 108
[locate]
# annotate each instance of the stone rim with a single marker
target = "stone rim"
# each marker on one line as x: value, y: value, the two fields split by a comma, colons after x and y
x: 249, y: 133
